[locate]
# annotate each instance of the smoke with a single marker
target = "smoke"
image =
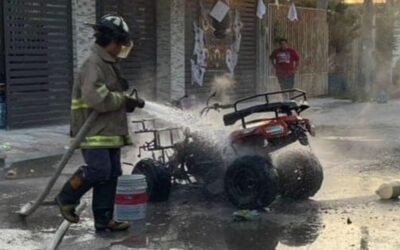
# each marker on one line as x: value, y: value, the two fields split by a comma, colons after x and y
x: 364, y: 43
x: 223, y: 85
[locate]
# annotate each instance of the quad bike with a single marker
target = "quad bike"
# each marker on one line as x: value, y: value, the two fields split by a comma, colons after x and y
x: 250, y: 178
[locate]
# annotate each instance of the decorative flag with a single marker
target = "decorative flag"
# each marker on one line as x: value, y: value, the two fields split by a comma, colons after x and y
x: 261, y: 9
x: 292, y: 15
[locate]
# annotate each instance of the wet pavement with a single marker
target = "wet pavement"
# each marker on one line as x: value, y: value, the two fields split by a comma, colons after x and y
x: 345, y: 214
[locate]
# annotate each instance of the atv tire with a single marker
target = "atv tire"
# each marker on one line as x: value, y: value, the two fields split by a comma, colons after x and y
x: 300, y: 174
x: 158, y: 179
x: 251, y: 182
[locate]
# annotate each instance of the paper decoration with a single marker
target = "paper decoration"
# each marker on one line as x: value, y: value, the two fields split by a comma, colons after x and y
x: 200, y: 53
x: 261, y: 9
x: 292, y: 15
x: 219, y: 11
x: 232, y: 54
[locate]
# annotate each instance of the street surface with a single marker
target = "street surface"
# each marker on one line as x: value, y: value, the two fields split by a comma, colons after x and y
x: 345, y: 214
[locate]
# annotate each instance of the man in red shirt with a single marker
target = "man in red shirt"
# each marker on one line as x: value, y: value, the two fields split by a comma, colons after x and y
x: 285, y: 61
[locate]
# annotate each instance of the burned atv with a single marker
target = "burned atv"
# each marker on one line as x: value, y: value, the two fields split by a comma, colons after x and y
x: 250, y: 178
x: 178, y: 156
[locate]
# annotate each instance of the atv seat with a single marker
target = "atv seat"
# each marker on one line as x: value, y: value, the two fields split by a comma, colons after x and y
x: 284, y: 107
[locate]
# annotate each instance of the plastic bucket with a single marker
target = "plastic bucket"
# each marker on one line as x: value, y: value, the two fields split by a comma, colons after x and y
x: 131, y: 198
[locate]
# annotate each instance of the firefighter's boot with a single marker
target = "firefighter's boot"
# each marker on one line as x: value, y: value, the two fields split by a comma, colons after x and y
x: 70, y: 195
x: 114, y: 226
x: 103, y: 207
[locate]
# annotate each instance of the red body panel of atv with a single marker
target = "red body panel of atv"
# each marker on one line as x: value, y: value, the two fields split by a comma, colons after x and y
x: 270, y: 129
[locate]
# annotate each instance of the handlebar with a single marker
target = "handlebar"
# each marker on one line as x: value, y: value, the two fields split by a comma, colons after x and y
x: 215, y: 106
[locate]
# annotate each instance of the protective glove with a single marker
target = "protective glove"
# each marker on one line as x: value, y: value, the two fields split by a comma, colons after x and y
x: 132, y: 103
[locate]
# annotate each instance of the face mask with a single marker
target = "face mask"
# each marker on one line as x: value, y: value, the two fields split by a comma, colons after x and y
x: 125, y: 50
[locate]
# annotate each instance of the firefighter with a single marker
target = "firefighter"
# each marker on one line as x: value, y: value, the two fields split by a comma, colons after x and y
x: 100, y: 87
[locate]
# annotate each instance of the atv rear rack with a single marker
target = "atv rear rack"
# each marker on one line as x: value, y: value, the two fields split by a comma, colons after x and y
x: 277, y: 107
x: 301, y: 93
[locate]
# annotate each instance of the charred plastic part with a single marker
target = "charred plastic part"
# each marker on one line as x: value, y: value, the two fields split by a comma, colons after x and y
x: 158, y: 179
x: 300, y: 174
x: 251, y: 182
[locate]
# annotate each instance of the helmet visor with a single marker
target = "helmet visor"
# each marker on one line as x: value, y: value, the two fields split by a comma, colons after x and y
x: 126, y: 50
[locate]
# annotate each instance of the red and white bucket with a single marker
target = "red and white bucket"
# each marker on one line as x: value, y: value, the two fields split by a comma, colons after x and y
x: 131, y: 198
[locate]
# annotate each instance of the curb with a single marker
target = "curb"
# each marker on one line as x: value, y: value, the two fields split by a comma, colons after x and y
x: 33, y: 166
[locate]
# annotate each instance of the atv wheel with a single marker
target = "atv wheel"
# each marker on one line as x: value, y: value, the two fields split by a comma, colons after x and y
x: 158, y: 179
x: 300, y: 174
x: 251, y: 182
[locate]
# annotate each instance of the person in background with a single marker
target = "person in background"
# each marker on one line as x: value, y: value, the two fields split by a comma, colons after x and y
x: 285, y: 61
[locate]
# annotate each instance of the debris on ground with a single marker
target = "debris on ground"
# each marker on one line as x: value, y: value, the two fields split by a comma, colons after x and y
x: 5, y: 147
x: 349, y: 221
x: 388, y: 191
x: 246, y: 215
x: 11, y: 174
x: 382, y: 97
x: 267, y: 209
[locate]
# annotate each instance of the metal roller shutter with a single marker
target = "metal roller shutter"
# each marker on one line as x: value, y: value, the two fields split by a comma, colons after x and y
x: 38, y: 61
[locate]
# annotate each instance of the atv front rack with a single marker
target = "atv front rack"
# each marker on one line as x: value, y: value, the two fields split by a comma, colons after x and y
x: 155, y: 144
x: 144, y: 123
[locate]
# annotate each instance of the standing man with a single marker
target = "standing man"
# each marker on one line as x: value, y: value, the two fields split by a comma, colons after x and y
x: 285, y: 61
x: 100, y: 88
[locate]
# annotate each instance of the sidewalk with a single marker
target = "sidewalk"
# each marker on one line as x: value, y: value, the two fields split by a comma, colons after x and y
x: 34, y: 147
x: 35, y: 152
x: 344, y: 113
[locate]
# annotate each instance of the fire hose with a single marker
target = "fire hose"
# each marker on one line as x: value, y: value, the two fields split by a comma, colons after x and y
x: 63, y: 228
x: 32, y: 206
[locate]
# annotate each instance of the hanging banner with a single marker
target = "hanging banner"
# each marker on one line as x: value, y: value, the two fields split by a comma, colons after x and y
x: 217, y: 44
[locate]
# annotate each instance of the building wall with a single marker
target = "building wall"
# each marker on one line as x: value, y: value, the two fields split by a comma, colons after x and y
x: 175, y: 46
x: 163, y: 52
x: 170, y: 49
x: 309, y: 37
x: 178, y: 36
x: 170, y: 82
x: 83, y: 11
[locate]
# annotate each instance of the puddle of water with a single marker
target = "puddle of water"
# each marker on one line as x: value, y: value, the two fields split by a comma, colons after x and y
x: 351, y: 139
x: 15, y: 239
